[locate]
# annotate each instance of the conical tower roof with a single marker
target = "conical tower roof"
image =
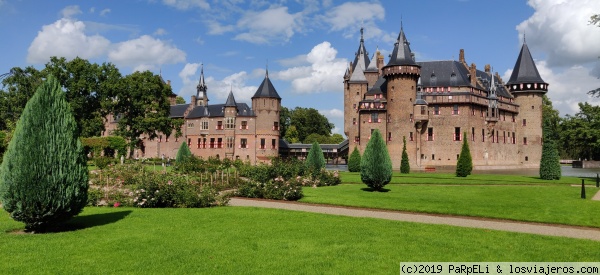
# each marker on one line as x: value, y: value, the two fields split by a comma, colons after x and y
x: 373, y: 64
x: 230, y: 100
x: 401, y: 55
x: 525, y: 70
x: 362, y: 56
x: 266, y: 89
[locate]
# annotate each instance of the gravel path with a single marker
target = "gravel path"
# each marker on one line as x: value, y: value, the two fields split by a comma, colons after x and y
x: 502, y: 225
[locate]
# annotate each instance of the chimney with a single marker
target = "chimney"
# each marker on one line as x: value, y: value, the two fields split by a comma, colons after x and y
x: 487, y: 68
x: 473, y: 73
x: 461, y: 56
x: 193, y: 101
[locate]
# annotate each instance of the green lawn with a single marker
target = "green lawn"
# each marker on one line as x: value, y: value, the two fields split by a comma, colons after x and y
x: 235, y: 240
x: 475, y: 179
x: 551, y: 204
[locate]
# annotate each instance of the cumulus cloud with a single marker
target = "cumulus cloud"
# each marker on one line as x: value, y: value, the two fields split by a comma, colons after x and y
x: 560, y: 28
x: 187, y: 4
x: 273, y: 24
x: 65, y: 38
x: 70, y: 11
x: 104, y: 12
x: 145, y: 53
x: 160, y: 31
x: 215, y: 28
x: 323, y: 75
x: 351, y: 16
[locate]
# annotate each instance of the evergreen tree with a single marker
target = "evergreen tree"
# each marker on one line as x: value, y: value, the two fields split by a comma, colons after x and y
x: 404, y: 165
x: 464, y: 166
x: 550, y: 163
x: 183, y: 153
x: 315, y: 160
x: 375, y: 163
x: 44, y: 176
x: 354, y: 161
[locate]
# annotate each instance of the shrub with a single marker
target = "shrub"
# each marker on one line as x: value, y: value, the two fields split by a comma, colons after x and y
x: 191, y: 164
x: 183, y: 152
x: 329, y: 178
x: 103, y: 162
x: 315, y: 159
x: 160, y: 190
x: 464, y: 165
x: 354, y: 161
x: 276, y: 189
x: 404, y: 164
x: 44, y: 176
x: 550, y: 163
x: 375, y: 164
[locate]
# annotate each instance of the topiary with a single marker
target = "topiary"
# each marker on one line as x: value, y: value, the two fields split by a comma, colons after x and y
x: 354, y: 161
x: 404, y: 165
x: 464, y: 165
x: 44, y: 176
x: 550, y: 163
x: 315, y: 160
x: 375, y: 163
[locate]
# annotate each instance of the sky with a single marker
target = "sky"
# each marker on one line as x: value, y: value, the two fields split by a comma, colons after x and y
x: 305, y: 44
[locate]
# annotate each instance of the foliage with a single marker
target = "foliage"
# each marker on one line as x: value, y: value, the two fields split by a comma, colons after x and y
x: 306, y: 121
x: 404, y: 164
x: 183, y: 153
x: 18, y: 87
x: 109, y: 145
x: 580, y: 134
x: 375, y: 163
x: 276, y: 189
x: 464, y: 165
x: 291, y: 135
x: 322, y: 139
x: 44, y: 176
x: 354, y: 161
x: 103, y: 162
x: 288, y: 169
x: 179, y: 100
x: 159, y: 190
x: 315, y: 161
x: 550, y: 163
x: 188, y: 165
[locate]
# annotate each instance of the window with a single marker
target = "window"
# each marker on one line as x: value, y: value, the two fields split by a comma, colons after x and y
x: 354, y: 121
x: 483, y: 135
x: 411, y: 137
x: 432, y: 156
x: 411, y: 118
x: 204, y: 143
x: 514, y: 138
x: 160, y: 139
x: 374, y: 118
x: 389, y: 136
x: 423, y: 110
x: 275, y: 126
x: 526, y: 158
x: 436, y: 110
x: 273, y: 143
x: 204, y: 125
x: 198, y: 144
x: 189, y: 142
x: 513, y: 117
x: 493, y: 137
x: 220, y: 143
x: 356, y: 139
x: 524, y: 122
x: 262, y: 143
x: 473, y: 134
x: 457, y: 134
x: 354, y: 106
x: 472, y: 111
x: 212, y: 143
x: 229, y: 123
x: 430, y: 134
x: 243, y: 143
x: 524, y: 140
x: 244, y: 125
x: 229, y: 141
x: 455, y: 109
x: 219, y: 125
x: 389, y: 118
x: 504, y: 136
x: 190, y: 125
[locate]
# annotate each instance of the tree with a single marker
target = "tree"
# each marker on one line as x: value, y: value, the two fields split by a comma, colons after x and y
x: 336, y: 139
x: 314, y: 137
x: 143, y: 107
x: 354, y: 161
x: 19, y: 85
x: 464, y: 165
x: 375, y: 163
x: 179, y: 100
x: 404, y: 164
x: 310, y: 121
x: 44, y: 176
x: 550, y: 163
x: 315, y: 161
x: 285, y: 118
x: 291, y: 135
x: 183, y: 153
x: 580, y: 134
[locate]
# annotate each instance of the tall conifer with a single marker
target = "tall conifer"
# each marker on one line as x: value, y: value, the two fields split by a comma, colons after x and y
x: 315, y: 160
x: 354, y: 161
x: 404, y: 164
x: 375, y: 163
x: 464, y: 165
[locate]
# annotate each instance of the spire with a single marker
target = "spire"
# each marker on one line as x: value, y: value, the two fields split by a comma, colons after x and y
x: 266, y: 89
x: 492, y: 94
x: 525, y: 70
x: 401, y: 55
x: 362, y: 56
x: 201, y: 97
x: 230, y: 100
x: 373, y: 63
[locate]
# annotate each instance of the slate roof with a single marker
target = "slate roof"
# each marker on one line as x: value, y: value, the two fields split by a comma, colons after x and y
x: 266, y: 89
x: 525, y: 70
x: 401, y: 55
x: 373, y: 64
x: 178, y: 110
x: 217, y: 110
x: 379, y: 87
x: 361, y: 57
x: 230, y: 100
x: 358, y: 75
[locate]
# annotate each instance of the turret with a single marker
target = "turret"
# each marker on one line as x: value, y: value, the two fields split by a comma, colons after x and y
x: 201, y: 97
x: 266, y: 104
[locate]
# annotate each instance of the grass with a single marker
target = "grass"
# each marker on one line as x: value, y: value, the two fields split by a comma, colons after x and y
x: 240, y: 240
x: 475, y: 179
x: 549, y: 204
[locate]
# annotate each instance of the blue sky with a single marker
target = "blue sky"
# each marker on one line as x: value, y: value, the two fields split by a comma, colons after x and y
x: 307, y: 44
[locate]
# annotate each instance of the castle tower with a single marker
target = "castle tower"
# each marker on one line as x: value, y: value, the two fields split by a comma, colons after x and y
x: 528, y: 88
x: 230, y: 112
x: 401, y: 74
x: 266, y: 104
x: 201, y: 98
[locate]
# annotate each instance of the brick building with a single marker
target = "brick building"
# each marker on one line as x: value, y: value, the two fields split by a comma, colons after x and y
x: 230, y: 130
x: 437, y: 104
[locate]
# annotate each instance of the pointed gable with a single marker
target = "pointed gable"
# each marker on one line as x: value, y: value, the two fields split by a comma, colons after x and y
x: 266, y: 89
x: 373, y: 64
x: 525, y: 70
x: 358, y: 75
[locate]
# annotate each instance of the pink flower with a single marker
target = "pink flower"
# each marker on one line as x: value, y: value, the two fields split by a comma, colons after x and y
x: 117, y: 204
x: 170, y: 183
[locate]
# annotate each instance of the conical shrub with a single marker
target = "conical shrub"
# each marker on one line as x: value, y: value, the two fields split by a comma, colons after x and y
x: 44, y: 176
x: 183, y: 153
x: 354, y: 161
x: 315, y: 160
x: 375, y: 163
x: 464, y: 165
x: 550, y: 163
x: 404, y: 164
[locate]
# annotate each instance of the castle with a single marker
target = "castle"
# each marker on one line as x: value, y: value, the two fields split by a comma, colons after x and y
x: 434, y: 105
x: 231, y: 130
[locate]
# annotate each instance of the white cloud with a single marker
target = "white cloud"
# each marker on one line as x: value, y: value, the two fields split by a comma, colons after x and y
x: 567, y: 87
x: 104, y: 12
x: 92, y: 9
x: 70, y: 11
x: 298, y: 60
x: 215, y: 28
x: 160, y: 31
x: 187, y: 4
x: 189, y: 77
x: 332, y: 113
x: 560, y: 28
x: 65, y: 38
x: 323, y: 75
x: 351, y: 16
x: 145, y: 53
x: 273, y: 24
